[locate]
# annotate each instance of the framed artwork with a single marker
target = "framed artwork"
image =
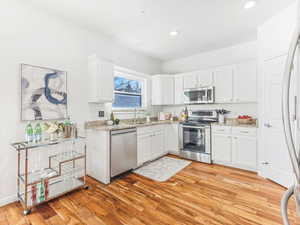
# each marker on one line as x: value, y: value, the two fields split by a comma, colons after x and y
x: 43, y: 93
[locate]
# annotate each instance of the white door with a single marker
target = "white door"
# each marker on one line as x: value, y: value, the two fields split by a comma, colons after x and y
x: 190, y: 81
x: 221, y: 148
x: 223, y: 80
x: 205, y: 78
x: 244, y: 152
x: 178, y: 90
x: 245, y: 82
x: 277, y: 163
x: 144, y: 153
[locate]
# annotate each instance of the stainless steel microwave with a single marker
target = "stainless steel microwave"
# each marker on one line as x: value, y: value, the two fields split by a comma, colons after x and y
x: 205, y: 95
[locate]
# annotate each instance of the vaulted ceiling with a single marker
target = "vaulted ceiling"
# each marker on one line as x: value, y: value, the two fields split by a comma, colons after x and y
x: 144, y: 25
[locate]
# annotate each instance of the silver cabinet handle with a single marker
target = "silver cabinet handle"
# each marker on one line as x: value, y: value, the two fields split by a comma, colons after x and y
x: 245, y: 132
x: 267, y: 125
x: 265, y: 163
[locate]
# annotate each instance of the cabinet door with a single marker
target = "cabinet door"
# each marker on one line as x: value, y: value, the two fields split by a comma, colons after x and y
x: 167, y: 89
x: 157, y: 144
x: 144, y: 153
x: 107, y: 81
x: 156, y: 91
x: 171, y: 138
x: 245, y: 82
x: 223, y: 79
x: 205, y: 78
x: 190, y: 81
x: 221, y: 148
x: 244, y: 152
x: 100, y: 80
x: 178, y: 90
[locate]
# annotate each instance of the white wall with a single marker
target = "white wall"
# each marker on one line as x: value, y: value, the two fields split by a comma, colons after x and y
x: 28, y: 35
x: 220, y: 57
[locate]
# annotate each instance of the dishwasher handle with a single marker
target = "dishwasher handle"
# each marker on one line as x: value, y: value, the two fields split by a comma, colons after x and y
x: 123, y: 131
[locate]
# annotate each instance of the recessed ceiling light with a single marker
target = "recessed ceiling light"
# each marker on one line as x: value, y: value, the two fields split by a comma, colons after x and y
x: 173, y: 33
x: 249, y: 4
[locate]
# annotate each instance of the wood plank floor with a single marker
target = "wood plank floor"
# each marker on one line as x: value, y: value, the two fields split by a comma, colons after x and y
x: 198, y: 195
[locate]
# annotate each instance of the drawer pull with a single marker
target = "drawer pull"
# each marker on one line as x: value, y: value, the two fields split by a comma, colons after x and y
x: 245, y: 132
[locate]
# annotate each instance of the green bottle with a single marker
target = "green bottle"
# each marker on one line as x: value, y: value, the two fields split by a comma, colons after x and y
x: 41, y: 191
x: 29, y: 133
x: 38, y: 132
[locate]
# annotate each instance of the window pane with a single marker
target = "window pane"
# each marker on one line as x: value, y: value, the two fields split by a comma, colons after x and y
x: 127, y: 101
x: 124, y: 85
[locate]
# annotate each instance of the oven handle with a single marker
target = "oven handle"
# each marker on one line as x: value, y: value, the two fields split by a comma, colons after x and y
x: 202, y: 127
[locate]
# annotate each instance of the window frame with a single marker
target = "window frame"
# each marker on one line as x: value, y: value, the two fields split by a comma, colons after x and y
x: 131, y: 75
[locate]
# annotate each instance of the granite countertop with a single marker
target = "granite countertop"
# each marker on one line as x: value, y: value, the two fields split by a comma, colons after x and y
x: 234, y: 123
x: 124, y: 125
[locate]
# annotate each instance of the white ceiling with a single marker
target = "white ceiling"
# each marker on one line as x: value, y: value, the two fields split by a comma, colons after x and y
x: 144, y: 25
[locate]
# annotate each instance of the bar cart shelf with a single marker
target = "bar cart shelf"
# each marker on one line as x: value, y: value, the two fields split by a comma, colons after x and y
x: 49, y: 169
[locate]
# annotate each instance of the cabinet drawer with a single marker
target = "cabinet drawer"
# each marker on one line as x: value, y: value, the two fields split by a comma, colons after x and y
x: 248, y: 131
x: 144, y: 130
x: 221, y: 129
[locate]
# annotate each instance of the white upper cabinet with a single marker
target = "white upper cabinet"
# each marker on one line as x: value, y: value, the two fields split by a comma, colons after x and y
x: 190, y: 80
x: 223, y: 81
x: 163, y: 90
x: 178, y: 90
x: 245, y: 82
x: 100, y: 80
x: 205, y: 78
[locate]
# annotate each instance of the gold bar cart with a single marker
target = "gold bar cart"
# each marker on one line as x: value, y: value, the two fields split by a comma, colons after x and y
x: 49, y: 169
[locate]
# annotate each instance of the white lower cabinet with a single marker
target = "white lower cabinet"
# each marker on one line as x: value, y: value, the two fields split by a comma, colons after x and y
x: 221, y: 148
x: 244, y: 151
x: 172, y: 138
x: 150, y: 143
x: 236, y: 147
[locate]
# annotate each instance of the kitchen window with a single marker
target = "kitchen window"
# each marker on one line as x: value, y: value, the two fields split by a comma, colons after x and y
x: 128, y: 91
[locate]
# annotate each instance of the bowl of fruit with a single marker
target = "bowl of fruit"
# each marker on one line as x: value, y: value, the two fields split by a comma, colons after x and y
x: 245, y: 119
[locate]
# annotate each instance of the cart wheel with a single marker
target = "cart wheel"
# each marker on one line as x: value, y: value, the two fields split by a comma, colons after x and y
x: 86, y: 187
x: 27, y: 212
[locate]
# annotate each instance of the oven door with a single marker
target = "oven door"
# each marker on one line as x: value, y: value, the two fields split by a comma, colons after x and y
x: 196, y: 139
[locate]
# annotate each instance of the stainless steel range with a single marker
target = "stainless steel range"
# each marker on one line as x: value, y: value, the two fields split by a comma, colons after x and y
x: 195, y: 135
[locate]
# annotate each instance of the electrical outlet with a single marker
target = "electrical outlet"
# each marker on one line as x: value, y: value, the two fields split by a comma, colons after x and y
x: 101, y: 113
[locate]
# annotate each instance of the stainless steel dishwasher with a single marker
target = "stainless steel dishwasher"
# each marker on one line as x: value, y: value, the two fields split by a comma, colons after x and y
x: 123, y: 151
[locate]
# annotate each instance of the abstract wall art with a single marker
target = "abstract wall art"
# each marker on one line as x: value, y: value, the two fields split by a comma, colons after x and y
x: 43, y: 93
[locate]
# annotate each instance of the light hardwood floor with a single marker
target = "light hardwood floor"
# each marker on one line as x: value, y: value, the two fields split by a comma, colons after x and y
x: 199, y: 194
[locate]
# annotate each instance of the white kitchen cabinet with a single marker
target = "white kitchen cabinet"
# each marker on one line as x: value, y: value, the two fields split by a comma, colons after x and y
x: 205, y: 78
x: 178, y: 90
x: 190, y: 80
x: 158, y: 148
x: 144, y: 148
x: 244, y: 151
x: 235, y: 146
x: 100, y: 80
x: 150, y: 143
x: 98, y: 155
x: 223, y: 80
x: 163, y: 90
x: 172, y: 138
x: 221, y: 148
x: 245, y: 82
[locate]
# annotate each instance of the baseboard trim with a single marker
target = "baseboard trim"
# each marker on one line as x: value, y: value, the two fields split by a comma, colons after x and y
x: 7, y: 200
